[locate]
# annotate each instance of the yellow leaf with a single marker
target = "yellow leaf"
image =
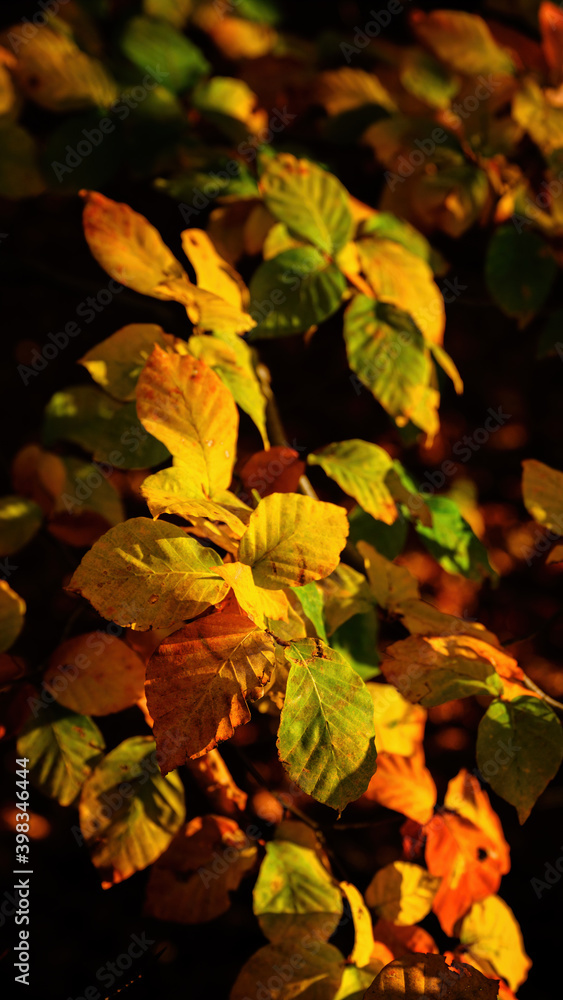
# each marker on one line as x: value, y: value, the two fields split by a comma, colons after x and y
x: 95, y: 674
x: 55, y: 73
x: 391, y: 585
x: 491, y: 934
x: 199, y: 680
x: 150, y: 574
x: 131, y: 250
x: 234, y: 361
x: 292, y: 540
x: 360, y: 468
x: 116, y: 362
x: 12, y: 611
x: 213, y: 273
x: 420, y: 617
x: 363, y: 930
x: 345, y: 88
x: 184, y: 404
x: 396, y: 275
x: 402, y: 893
x: 542, y: 491
x: 399, y: 726
x: 256, y: 602
x: 174, y: 491
x: 431, y: 670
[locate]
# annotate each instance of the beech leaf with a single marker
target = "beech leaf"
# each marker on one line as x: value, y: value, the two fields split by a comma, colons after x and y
x: 150, y: 574
x: 199, y: 680
x: 63, y: 747
x: 326, y: 734
x: 128, y: 811
x: 292, y: 539
x: 183, y: 403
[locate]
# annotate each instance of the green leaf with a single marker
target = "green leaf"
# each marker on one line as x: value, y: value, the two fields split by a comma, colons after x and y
x: 294, y: 894
x: 232, y: 360
x: 426, y: 78
x: 388, y: 354
x: 519, y: 750
x: 403, y: 279
x: 20, y: 520
x: 212, y: 175
x: 519, y: 271
x: 326, y: 738
x: 154, y: 44
x: 356, y: 641
x: 543, y: 120
x: 128, y: 811
x: 294, y: 291
x: 116, y: 362
x: 79, y: 495
x: 354, y: 983
x: 387, y: 539
x: 63, y: 748
x: 360, y: 469
x: 292, y: 539
x: 387, y: 226
x: 108, y: 429
x: 452, y: 542
x: 149, y: 573
x: 228, y: 103
x: 431, y: 670
x: 311, y: 600
x: 12, y: 613
x: 312, y: 203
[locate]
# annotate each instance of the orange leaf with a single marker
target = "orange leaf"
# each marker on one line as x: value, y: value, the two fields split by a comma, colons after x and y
x: 95, y: 674
x: 468, y: 861
x: 185, y: 405
x: 551, y: 27
x: 404, y: 940
x: 465, y: 796
x: 277, y: 470
x: 199, y: 680
x: 403, y: 784
x: 190, y: 882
